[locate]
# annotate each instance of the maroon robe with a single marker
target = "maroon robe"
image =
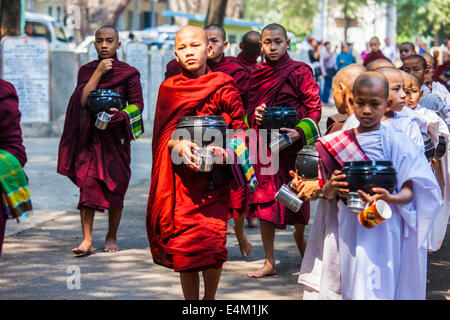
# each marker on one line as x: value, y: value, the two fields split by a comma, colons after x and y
x: 173, y: 68
x: 186, y: 219
x: 98, y: 161
x: 372, y: 56
x: 249, y: 63
x: 282, y: 83
x: 10, y: 137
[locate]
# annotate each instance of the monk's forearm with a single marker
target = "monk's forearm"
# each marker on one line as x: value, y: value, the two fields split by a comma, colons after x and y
x: 405, y: 195
x: 91, y: 85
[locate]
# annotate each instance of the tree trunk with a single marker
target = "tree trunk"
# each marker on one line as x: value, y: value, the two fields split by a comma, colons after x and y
x: 216, y: 12
x: 9, y: 18
x: 346, y: 21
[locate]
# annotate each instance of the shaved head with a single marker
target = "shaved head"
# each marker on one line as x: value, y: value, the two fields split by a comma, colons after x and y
x: 413, y: 79
x: 388, y: 71
x: 217, y: 28
x: 371, y: 79
x: 190, y: 31
x: 343, y: 84
x: 250, y: 45
x: 274, y: 27
x: 107, y: 27
x: 429, y: 59
x: 379, y: 63
x: 192, y: 49
x: 348, y: 74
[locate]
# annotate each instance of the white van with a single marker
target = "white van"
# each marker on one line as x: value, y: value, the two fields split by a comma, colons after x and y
x: 48, y: 27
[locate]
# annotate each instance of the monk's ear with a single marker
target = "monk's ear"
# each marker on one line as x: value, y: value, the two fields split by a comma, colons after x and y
x: 209, y: 51
x: 390, y: 103
x: 288, y: 41
x: 176, y: 57
x: 420, y: 95
x: 119, y: 43
x: 342, y: 86
x: 225, y: 44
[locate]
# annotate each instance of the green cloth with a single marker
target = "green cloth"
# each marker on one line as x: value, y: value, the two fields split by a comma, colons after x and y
x: 310, y: 129
x: 243, y: 158
x: 14, y: 186
x: 135, y: 120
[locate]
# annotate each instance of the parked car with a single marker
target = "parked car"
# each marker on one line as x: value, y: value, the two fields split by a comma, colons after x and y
x: 49, y: 28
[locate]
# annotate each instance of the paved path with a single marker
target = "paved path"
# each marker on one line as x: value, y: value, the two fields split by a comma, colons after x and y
x: 37, y: 262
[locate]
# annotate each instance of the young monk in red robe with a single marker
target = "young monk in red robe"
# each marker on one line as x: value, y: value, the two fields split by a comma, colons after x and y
x: 10, y: 137
x: 375, y: 52
x: 186, y: 218
x: 280, y: 81
x: 217, y: 62
x: 98, y: 161
x: 250, y: 51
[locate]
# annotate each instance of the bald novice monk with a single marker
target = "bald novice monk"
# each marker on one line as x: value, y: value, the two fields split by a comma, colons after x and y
x: 250, y: 51
x: 435, y: 86
x: 186, y: 218
x: 280, y: 81
x: 375, y: 52
x: 388, y: 261
x: 98, y: 161
x: 342, y: 92
x: 379, y: 63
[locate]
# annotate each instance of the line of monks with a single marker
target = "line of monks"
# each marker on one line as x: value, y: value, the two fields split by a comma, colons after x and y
x: 188, y: 210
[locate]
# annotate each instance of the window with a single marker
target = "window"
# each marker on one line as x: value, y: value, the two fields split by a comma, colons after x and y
x: 41, y: 30
x: 50, y: 11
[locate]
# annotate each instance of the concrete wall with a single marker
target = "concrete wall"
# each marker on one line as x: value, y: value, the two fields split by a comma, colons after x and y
x: 64, y: 70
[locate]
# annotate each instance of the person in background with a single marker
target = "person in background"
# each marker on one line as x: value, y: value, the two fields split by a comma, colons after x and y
x: 406, y: 49
x: 329, y: 70
x: 389, y: 50
x: 375, y: 52
x: 344, y: 58
x: 314, y: 57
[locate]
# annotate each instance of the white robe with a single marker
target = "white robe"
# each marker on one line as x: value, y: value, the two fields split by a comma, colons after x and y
x: 389, y: 261
x: 409, y: 122
x: 437, y: 127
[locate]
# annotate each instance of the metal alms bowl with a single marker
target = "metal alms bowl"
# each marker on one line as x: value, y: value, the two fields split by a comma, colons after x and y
x: 307, y: 162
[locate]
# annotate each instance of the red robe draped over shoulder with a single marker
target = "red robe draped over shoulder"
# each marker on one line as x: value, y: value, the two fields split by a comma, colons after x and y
x: 10, y: 137
x: 88, y: 155
x: 249, y: 63
x: 282, y: 83
x: 186, y: 220
x: 372, y: 56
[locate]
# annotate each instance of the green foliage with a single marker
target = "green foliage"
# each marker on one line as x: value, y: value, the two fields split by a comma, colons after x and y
x: 295, y: 15
x: 422, y: 18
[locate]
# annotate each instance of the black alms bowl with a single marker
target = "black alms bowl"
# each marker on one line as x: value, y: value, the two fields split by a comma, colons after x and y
x: 277, y: 117
x: 365, y: 175
x: 203, y: 130
x: 441, y: 148
x: 307, y: 162
x: 103, y: 100
x: 429, y: 149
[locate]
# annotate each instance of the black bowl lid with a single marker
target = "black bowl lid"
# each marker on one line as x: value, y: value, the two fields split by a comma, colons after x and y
x: 279, y: 111
x: 369, y: 166
x: 308, y: 150
x: 190, y: 121
x: 104, y: 93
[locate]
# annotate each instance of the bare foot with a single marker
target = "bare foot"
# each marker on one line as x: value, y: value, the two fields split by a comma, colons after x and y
x: 85, y: 248
x: 266, y: 270
x: 230, y: 229
x: 251, y: 222
x: 301, y: 244
x: 110, y: 245
x: 244, y: 245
